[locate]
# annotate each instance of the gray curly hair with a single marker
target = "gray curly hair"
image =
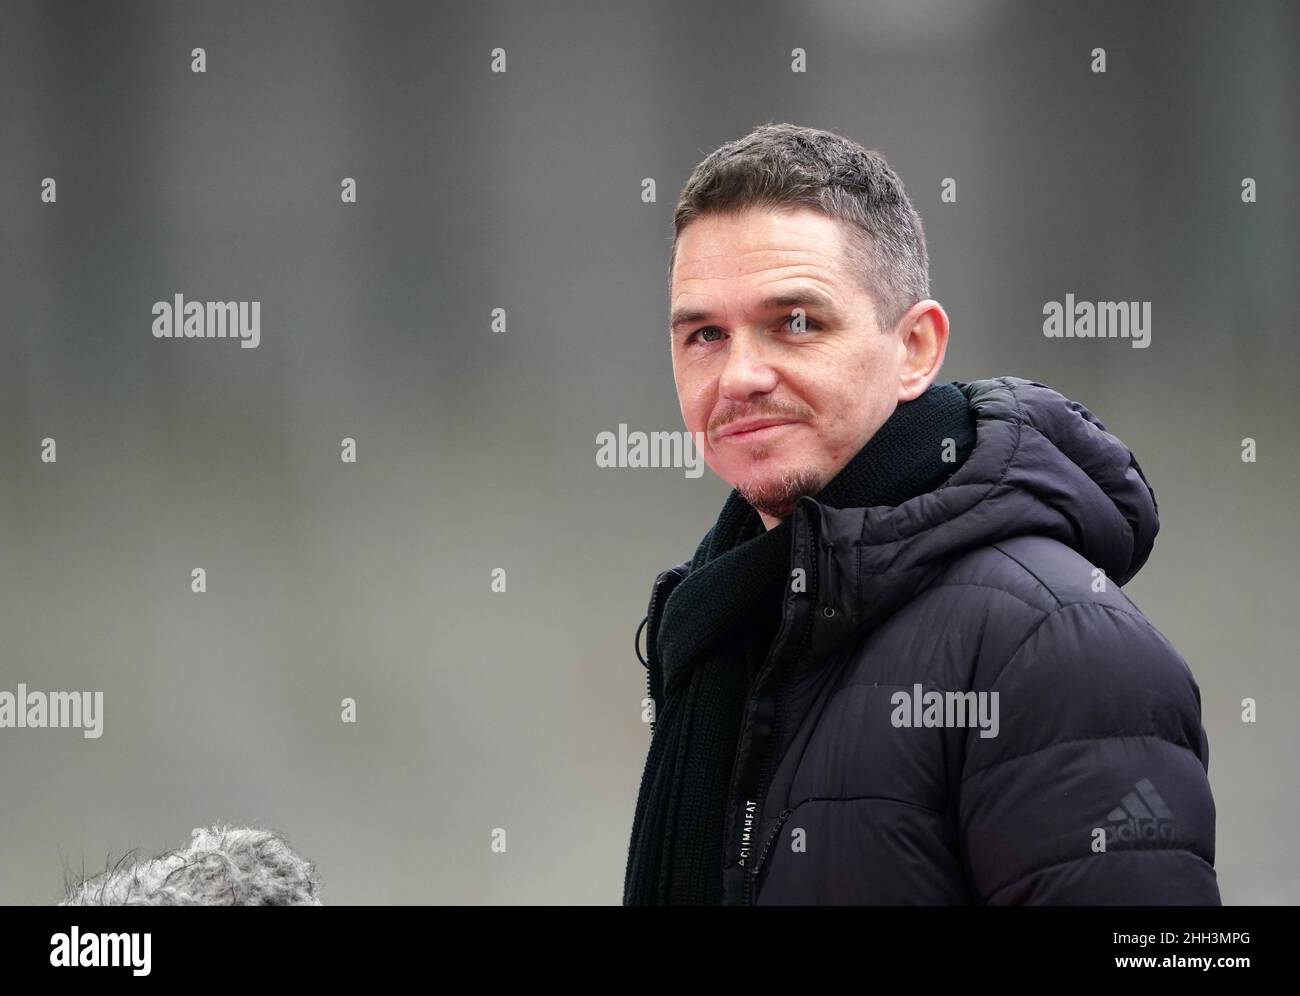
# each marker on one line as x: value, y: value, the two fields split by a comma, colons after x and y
x: 222, y: 866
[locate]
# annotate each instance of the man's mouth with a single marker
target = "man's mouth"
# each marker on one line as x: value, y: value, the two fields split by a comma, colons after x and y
x: 754, y: 430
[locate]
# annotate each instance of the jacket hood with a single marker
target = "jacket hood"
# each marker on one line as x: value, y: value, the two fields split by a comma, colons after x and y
x: 1042, y: 465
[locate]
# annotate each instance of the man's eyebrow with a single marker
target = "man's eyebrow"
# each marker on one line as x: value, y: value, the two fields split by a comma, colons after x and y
x: 806, y: 298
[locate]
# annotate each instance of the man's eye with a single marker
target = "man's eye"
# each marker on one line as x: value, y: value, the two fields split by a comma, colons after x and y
x: 700, y: 332
x: 704, y: 333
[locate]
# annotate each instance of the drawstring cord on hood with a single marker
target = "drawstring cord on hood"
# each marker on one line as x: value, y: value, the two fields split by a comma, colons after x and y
x: 828, y: 607
x: 636, y: 642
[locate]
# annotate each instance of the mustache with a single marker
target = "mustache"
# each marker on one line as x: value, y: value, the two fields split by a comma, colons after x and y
x: 795, y: 413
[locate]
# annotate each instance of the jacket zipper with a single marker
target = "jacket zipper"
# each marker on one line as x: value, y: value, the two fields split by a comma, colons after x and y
x: 771, y: 839
x: 654, y: 709
x: 751, y: 873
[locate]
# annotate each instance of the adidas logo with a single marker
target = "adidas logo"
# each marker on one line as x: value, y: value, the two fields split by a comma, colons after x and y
x: 1141, y: 815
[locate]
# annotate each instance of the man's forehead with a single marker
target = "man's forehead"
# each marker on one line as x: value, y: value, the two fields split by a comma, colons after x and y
x: 727, y: 247
x: 747, y: 261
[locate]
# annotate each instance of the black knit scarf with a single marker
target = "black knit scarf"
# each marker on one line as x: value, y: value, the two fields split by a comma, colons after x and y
x: 717, y: 626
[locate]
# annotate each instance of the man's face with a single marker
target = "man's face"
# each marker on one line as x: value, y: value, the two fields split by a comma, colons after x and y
x: 739, y: 357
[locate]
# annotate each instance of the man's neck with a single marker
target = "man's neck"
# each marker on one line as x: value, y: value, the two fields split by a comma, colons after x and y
x: 769, y: 522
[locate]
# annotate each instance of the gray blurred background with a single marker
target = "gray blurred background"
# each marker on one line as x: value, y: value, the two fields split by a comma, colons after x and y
x: 476, y: 450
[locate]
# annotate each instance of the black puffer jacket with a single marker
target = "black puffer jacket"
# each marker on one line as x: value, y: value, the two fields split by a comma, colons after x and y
x: 1094, y: 789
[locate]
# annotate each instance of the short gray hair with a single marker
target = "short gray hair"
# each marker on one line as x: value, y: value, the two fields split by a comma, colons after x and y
x: 787, y: 166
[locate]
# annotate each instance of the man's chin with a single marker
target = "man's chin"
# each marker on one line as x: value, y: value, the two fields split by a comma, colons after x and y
x: 775, y: 495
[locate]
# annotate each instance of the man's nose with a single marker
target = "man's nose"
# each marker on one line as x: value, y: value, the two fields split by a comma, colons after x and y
x: 748, y: 369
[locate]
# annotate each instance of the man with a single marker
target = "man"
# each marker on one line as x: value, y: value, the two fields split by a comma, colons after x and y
x: 922, y: 685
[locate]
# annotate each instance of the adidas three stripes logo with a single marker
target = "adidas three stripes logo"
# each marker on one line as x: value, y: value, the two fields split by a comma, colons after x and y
x: 1141, y: 815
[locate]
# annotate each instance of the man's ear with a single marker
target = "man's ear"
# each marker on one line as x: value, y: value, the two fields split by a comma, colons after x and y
x: 923, y: 334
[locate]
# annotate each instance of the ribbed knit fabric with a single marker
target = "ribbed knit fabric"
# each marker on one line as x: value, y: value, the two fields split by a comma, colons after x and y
x: 715, y: 631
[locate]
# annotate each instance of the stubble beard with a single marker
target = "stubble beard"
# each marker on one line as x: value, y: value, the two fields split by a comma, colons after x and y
x: 776, y: 496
